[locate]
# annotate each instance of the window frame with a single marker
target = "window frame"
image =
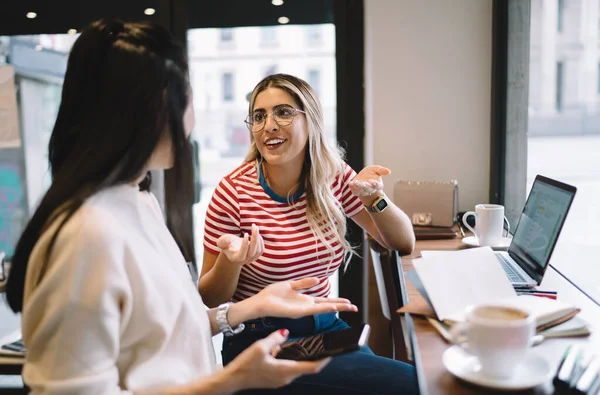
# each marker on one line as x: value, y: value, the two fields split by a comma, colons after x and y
x: 509, y: 101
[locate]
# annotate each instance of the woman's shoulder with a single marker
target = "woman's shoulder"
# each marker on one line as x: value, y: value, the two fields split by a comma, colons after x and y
x: 246, y: 169
x: 346, y: 172
x: 104, y: 218
x: 94, y: 224
x: 89, y: 232
x: 242, y: 175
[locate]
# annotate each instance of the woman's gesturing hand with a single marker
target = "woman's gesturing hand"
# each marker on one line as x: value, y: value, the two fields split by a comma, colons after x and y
x: 242, y: 250
x: 368, y: 181
x: 283, y: 300
x: 257, y: 368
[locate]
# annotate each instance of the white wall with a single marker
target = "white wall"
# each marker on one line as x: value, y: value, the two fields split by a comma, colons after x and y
x: 428, y: 89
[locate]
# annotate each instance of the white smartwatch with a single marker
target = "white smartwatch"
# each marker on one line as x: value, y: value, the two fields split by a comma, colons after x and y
x: 223, y: 323
x: 378, y: 206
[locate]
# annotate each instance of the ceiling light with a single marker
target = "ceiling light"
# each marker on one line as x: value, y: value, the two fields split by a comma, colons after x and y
x: 149, y: 11
x: 31, y: 15
x: 38, y: 47
x: 277, y: 2
x: 283, y: 20
x: 72, y: 31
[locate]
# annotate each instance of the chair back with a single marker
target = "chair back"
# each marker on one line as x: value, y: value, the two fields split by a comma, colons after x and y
x: 381, y: 283
x: 392, y: 293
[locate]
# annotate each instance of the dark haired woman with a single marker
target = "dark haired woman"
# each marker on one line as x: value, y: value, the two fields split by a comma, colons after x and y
x: 108, y: 305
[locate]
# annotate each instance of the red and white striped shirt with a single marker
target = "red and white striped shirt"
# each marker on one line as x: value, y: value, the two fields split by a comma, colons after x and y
x: 291, y: 251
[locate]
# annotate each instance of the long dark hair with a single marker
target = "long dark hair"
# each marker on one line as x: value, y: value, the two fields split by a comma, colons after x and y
x: 126, y: 85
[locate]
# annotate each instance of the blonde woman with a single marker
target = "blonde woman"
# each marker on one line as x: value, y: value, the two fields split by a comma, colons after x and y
x: 289, y: 202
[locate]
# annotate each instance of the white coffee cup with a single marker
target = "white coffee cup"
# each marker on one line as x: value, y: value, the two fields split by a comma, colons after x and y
x: 489, y: 223
x: 498, y: 336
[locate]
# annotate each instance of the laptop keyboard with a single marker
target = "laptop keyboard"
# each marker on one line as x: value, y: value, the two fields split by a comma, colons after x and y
x: 512, y: 274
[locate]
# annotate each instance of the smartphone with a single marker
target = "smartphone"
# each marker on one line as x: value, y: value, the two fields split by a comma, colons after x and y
x: 323, y: 345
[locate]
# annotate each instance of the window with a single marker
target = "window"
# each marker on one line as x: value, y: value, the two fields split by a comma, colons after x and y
x: 314, y: 80
x: 227, y: 87
x: 26, y: 122
x: 313, y: 34
x: 226, y: 35
x: 4, y: 49
x: 559, y: 85
x: 268, y: 34
x: 271, y: 70
x: 560, y: 134
x: 222, y: 85
x: 35, y: 69
x: 560, y: 16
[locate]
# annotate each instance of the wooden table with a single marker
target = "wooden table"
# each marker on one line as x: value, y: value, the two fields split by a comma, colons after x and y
x: 428, y: 346
x: 11, y: 366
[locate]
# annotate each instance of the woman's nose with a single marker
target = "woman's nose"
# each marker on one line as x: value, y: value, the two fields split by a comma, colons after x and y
x: 270, y: 123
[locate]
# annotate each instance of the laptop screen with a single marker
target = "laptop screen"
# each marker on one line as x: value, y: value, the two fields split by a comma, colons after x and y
x: 540, y: 223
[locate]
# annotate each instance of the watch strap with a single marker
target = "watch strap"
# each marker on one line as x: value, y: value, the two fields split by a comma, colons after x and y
x: 374, y: 207
x: 371, y: 209
x: 223, y: 323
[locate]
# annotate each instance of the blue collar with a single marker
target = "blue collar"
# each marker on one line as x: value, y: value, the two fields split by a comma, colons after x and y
x: 279, y: 199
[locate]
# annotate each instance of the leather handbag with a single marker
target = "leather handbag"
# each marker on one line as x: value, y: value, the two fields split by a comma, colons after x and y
x: 428, y: 203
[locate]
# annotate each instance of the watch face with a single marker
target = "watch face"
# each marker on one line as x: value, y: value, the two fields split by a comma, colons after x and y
x: 381, y: 204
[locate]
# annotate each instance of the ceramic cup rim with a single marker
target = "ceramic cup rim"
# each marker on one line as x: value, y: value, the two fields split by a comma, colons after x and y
x: 489, y: 207
x: 473, y: 318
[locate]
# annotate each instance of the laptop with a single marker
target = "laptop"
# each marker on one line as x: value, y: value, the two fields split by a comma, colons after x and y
x: 536, y: 234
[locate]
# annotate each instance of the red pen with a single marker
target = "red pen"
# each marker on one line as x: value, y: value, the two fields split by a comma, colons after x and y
x: 550, y: 295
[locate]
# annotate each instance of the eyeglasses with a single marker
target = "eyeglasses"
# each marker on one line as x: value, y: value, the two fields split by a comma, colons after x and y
x: 283, y: 115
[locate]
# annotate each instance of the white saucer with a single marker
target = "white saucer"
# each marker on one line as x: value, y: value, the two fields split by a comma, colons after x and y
x: 534, y: 371
x: 473, y: 242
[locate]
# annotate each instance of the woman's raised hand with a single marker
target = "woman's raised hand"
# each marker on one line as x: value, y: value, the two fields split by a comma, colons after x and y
x: 242, y: 250
x: 368, y: 181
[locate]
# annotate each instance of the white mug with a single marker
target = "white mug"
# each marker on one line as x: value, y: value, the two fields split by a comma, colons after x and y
x: 498, y: 336
x: 489, y: 223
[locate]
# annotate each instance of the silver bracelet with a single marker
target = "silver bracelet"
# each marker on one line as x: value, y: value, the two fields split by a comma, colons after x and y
x: 223, y: 323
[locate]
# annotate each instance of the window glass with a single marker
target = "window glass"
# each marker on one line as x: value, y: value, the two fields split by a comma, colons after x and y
x: 564, y: 126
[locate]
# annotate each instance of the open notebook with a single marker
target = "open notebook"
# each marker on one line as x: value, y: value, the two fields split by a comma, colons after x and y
x: 450, y: 282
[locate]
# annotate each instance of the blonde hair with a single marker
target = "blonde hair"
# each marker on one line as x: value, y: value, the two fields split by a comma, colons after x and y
x: 322, y: 164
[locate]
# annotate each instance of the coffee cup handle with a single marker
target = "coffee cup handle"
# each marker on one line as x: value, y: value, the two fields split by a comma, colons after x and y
x: 464, y: 221
x: 458, y: 335
x: 507, y: 226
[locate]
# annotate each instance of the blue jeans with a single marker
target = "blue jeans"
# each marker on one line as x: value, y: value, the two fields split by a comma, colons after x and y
x: 355, y: 373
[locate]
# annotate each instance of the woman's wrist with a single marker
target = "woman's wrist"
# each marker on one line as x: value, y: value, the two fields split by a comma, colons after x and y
x: 370, y: 199
x: 222, y: 382
x: 234, y: 380
x: 243, y: 311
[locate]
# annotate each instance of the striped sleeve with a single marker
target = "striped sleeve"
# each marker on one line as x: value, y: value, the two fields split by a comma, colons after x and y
x: 351, y: 204
x: 222, y: 215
